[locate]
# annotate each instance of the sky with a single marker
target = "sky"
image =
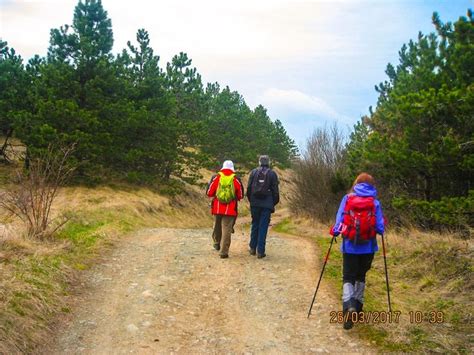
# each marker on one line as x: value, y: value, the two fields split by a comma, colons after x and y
x: 310, y: 63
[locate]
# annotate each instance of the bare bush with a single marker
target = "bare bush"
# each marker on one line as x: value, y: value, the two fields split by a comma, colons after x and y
x: 321, y: 174
x: 31, y: 197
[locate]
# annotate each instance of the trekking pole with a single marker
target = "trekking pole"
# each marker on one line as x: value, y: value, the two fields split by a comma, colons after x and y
x: 386, y: 275
x: 321, y: 276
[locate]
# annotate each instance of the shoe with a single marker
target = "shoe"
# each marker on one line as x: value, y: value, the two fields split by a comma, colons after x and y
x: 259, y: 256
x: 217, y: 246
x: 224, y: 256
x: 348, y: 324
x: 252, y: 251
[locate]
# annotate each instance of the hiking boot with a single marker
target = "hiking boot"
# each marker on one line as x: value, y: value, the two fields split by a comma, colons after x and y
x: 348, y: 324
x: 259, y: 256
x: 359, y: 306
x: 252, y: 251
x: 224, y: 256
x: 217, y: 246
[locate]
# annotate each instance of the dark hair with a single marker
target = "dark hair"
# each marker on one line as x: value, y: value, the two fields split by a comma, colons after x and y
x: 363, y: 178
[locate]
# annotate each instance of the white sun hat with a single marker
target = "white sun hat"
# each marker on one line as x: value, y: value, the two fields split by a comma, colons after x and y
x: 228, y: 164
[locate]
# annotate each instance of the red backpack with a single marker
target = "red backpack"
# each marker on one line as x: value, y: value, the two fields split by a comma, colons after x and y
x: 359, y: 219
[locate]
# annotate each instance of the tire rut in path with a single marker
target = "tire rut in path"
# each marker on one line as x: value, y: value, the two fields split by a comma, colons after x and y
x: 166, y: 290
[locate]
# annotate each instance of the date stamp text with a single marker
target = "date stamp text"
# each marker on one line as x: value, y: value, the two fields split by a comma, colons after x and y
x: 383, y: 317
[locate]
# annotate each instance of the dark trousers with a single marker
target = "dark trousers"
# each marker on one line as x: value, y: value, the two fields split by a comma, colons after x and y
x: 260, y: 222
x: 355, y: 266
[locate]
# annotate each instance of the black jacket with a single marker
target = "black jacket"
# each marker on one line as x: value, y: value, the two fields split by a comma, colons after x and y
x: 268, y: 201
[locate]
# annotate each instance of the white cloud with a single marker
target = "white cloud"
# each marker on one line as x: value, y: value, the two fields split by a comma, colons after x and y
x: 301, y: 113
x: 294, y: 102
x: 211, y: 30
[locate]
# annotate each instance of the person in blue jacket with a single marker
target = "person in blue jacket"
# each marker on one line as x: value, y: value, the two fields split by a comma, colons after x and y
x: 357, y: 256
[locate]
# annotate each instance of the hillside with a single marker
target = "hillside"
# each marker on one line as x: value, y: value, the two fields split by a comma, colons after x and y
x: 128, y: 249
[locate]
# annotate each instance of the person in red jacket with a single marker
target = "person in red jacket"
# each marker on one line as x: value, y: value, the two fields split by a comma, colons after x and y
x: 226, y: 190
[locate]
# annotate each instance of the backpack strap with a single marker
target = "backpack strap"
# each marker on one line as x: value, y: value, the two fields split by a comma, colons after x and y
x: 346, y: 212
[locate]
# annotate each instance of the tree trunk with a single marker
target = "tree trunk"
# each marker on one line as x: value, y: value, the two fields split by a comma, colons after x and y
x: 3, y: 150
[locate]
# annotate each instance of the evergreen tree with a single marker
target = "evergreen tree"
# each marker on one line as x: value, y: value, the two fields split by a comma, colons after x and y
x: 91, y: 38
x: 14, y: 88
x: 80, y: 94
x: 283, y: 149
x: 127, y: 116
x: 418, y: 141
x: 151, y: 133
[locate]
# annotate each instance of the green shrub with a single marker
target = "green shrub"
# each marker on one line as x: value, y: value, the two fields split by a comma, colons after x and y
x: 452, y: 213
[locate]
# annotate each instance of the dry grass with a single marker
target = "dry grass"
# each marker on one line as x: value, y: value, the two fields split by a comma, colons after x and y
x: 432, y: 272
x: 428, y: 272
x: 36, y: 277
x: 31, y: 292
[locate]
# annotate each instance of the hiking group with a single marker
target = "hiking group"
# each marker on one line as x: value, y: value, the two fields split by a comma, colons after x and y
x: 358, y: 220
x: 226, y: 190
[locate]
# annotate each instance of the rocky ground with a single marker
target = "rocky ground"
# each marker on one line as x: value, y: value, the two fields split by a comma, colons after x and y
x: 167, y: 291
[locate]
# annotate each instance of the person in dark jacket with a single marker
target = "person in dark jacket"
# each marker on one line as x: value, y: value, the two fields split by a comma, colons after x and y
x: 225, y: 212
x: 263, y: 194
x: 357, y: 256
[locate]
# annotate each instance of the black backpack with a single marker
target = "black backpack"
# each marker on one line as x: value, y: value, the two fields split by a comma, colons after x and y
x: 261, y: 183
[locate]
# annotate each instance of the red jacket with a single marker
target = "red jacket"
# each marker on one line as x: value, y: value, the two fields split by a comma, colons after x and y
x: 227, y: 209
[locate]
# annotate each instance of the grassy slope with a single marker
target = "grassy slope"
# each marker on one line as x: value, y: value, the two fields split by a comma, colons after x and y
x: 427, y: 272
x: 36, y: 278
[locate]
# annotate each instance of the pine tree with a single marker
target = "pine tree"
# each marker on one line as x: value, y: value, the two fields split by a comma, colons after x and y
x: 417, y: 141
x: 14, y: 94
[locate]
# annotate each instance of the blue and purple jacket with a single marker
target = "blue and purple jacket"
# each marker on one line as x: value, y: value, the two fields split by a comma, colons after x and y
x: 347, y: 246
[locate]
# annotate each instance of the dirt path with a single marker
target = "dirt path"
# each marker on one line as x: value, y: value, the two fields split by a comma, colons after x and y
x: 167, y: 291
